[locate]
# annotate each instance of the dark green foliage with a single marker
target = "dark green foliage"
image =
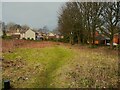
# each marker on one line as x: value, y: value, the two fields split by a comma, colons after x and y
x: 6, y: 37
x: 28, y: 38
x: 65, y: 39
x: 118, y: 46
x: 93, y: 46
x: 32, y: 39
x: 24, y: 38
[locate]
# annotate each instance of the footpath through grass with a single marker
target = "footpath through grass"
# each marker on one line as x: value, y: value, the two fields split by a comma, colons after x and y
x: 61, y: 67
x: 37, y: 67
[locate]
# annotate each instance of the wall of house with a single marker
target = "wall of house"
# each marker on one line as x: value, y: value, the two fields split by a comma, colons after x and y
x: 22, y: 35
x: 57, y: 36
x: 30, y: 34
x: 62, y: 37
x: 8, y: 34
x: 96, y: 42
x: 115, y: 39
x: 96, y: 33
x: 51, y: 34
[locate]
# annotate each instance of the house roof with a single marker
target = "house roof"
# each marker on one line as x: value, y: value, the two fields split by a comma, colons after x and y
x: 20, y: 31
x: 16, y: 36
x: 101, y: 37
x: 11, y: 31
x: 117, y: 33
x: 23, y: 31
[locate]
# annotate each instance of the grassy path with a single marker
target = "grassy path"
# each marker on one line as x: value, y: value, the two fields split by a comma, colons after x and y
x: 57, y: 58
x: 52, y: 67
x: 50, y: 59
x: 61, y: 66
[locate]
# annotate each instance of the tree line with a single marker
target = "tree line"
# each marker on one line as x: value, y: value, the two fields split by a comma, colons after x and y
x: 78, y: 21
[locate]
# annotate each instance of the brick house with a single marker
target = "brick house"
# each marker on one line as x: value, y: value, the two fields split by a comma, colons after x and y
x: 116, y: 38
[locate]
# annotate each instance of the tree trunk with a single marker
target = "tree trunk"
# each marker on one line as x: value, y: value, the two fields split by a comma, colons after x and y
x: 90, y: 39
x: 111, y: 42
x: 111, y: 37
x: 72, y: 42
x: 119, y: 38
x: 71, y: 39
x: 93, y: 40
x: 78, y: 39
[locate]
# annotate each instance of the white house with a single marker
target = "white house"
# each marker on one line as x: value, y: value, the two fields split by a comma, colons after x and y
x: 13, y: 32
x: 51, y: 34
x: 28, y: 34
x: 20, y: 34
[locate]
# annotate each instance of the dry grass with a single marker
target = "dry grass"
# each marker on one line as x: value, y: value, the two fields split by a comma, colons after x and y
x: 91, y: 68
x: 10, y: 45
x: 50, y: 64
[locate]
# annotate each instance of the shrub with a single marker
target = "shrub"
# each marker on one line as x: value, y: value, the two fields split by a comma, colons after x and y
x: 28, y: 38
x: 118, y: 46
x: 6, y: 37
x: 52, y: 39
x: 93, y: 46
x: 24, y: 38
x: 32, y: 39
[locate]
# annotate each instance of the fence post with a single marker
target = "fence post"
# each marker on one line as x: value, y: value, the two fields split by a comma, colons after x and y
x: 6, y: 84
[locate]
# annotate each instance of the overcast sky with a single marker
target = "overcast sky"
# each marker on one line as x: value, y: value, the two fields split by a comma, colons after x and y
x: 34, y: 14
x: 0, y: 11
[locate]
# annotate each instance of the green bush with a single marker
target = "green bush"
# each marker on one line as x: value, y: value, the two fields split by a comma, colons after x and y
x: 28, y: 38
x: 118, y: 46
x: 32, y: 39
x: 6, y: 37
x: 24, y: 38
x: 65, y: 39
x: 93, y: 46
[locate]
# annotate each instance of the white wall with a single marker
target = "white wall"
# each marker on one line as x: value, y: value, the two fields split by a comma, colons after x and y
x: 51, y: 34
x: 30, y: 34
x: 22, y: 35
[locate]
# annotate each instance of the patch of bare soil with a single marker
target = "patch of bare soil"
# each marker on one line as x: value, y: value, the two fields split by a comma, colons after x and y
x: 13, y: 63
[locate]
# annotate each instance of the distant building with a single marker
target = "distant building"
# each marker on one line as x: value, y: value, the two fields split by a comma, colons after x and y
x: 51, y: 36
x: 54, y: 36
x: 14, y: 33
x: 28, y: 34
x: 20, y: 34
x: 116, y: 38
x: 102, y: 39
x: 31, y: 34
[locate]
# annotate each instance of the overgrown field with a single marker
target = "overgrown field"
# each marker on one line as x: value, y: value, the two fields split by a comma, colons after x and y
x: 60, y: 66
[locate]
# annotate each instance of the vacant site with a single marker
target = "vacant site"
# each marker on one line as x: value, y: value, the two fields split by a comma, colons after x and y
x: 45, y: 64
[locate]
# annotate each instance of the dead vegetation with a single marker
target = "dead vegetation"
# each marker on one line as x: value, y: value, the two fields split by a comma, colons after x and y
x: 85, y: 68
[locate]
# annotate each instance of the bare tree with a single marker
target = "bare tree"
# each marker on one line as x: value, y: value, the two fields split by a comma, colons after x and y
x: 45, y: 29
x: 67, y: 21
x: 10, y: 25
x: 25, y: 27
x: 111, y: 18
x: 83, y: 19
